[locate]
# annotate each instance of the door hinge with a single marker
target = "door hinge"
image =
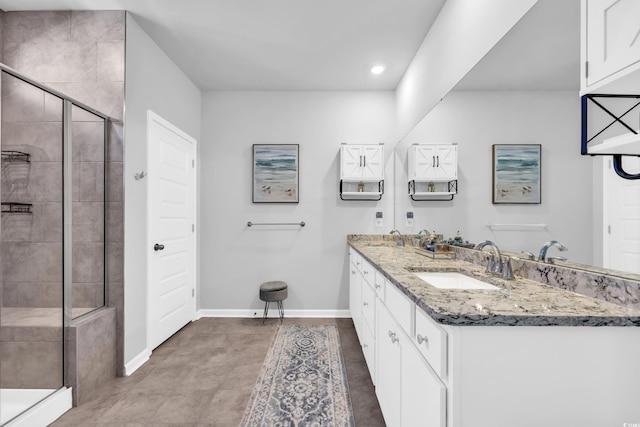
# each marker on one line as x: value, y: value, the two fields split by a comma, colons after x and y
x: 586, y: 69
x: 609, y: 229
x: 193, y: 228
x: 193, y: 292
x: 193, y: 163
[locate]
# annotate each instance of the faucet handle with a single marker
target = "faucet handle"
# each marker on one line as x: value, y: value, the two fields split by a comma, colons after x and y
x: 491, y: 264
x: 507, y: 270
x: 553, y: 259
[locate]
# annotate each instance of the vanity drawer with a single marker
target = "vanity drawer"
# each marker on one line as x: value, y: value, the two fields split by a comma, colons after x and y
x: 368, y: 272
x: 369, y: 307
x: 431, y: 340
x: 379, y: 285
x: 400, y: 306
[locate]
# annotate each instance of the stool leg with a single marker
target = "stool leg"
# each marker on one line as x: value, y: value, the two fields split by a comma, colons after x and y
x: 266, y: 310
x: 281, y: 310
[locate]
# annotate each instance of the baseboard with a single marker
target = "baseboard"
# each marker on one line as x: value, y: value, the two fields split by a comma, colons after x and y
x: 47, y: 411
x: 136, y: 362
x: 248, y: 313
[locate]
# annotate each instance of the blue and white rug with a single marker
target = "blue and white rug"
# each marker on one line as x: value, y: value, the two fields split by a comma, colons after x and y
x: 303, y: 382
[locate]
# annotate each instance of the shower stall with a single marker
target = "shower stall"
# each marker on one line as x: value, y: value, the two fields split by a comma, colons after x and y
x: 53, y: 262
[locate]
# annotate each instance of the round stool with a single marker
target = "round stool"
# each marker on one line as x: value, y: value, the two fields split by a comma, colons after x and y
x: 273, y: 291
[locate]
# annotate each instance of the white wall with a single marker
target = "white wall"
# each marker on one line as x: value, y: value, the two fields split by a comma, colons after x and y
x: 476, y: 120
x: 235, y: 258
x: 463, y: 33
x: 153, y: 82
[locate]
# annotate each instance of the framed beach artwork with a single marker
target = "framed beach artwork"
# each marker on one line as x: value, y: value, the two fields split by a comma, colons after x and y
x: 516, y: 174
x: 275, y: 173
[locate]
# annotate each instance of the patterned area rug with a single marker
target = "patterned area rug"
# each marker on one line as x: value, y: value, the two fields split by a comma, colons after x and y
x: 303, y: 382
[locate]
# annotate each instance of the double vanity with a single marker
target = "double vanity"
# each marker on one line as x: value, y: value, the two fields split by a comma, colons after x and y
x: 449, y: 344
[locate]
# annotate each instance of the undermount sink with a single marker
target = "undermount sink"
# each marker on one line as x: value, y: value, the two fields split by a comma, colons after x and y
x: 450, y: 280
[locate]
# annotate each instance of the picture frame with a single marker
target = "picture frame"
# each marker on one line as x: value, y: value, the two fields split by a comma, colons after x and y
x: 276, y: 173
x: 516, y: 177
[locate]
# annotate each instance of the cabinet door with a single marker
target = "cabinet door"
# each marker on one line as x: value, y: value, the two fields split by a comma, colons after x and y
x: 613, y: 36
x: 355, y: 298
x: 424, y: 162
x: 388, y: 373
x: 373, y: 162
x: 351, y: 160
x: 446, y: 162
x: 423, y: 396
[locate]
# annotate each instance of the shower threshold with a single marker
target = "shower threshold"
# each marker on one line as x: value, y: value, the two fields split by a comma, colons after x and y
x: 15, y: 401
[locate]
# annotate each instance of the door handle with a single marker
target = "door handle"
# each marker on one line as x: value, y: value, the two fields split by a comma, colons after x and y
x: 158, y: 247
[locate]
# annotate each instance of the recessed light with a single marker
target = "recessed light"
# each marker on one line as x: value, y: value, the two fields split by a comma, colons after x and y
x: 377, y: 69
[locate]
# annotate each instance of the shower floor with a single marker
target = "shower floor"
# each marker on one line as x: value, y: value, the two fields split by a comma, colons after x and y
x: 15, y: 401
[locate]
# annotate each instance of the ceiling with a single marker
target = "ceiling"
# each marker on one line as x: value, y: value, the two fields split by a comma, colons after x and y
x: 276, y: 44
x: 541, y: 52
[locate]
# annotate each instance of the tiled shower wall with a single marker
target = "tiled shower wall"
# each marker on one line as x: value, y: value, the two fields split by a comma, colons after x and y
x: 80, y: 54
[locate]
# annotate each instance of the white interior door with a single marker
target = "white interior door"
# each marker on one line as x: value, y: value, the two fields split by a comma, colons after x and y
x: 623, y: 231
x: 171, y: 220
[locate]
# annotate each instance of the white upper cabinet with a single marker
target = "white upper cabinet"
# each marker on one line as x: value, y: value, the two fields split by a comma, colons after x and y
x: 433, y: 162
x: 362, y: 162
x: 610, y: 39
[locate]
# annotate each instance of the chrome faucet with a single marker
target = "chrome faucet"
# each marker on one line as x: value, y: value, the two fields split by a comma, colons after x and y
x: 400, y: 240
x: 495, y: 263
x: 529, y: 255
x: 543, y: 251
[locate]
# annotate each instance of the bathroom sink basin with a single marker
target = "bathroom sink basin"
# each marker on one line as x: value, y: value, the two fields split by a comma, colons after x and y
x: 453, y: 281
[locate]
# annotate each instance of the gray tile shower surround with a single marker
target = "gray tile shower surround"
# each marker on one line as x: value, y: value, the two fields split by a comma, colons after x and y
x: 204, y: 376
x: 80, y: 53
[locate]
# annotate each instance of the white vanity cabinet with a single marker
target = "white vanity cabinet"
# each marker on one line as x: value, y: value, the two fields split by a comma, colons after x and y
x: 355, y: 290
x: 610, y: 40
x: 410, y: 393
x: 362, y: 162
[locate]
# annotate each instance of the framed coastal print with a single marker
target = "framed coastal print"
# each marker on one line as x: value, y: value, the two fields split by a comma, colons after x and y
x: 516, y: 174
x: 275, y: 173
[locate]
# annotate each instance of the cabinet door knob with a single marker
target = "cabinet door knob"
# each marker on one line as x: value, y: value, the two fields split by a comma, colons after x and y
x: 366, y: 304
x: 422, y: 339
x: 158, y: 247
x: 377, y: 286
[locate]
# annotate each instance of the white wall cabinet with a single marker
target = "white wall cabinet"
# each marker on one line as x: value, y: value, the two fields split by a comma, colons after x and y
x: 362, y: 162
x: 433, y: 171
x: 361, y: 172
x: 610, y: 39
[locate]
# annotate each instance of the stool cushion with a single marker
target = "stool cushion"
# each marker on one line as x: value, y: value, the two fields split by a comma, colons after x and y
x: 273, y: 291
x: 275, y: 285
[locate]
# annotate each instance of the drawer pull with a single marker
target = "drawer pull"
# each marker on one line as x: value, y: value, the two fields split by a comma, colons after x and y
x: 377, y: 286
x: 364, y: 346
x: 394, y: 338
x: 422, y: 339
x: 365, y: 272
x: 366, y: 304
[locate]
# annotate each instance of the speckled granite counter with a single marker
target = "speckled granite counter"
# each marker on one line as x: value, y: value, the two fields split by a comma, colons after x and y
x: 519, y: 302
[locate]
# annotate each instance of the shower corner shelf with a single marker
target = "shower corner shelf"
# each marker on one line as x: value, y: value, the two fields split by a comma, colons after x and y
x: 17, y: 208
x: 15, y: 157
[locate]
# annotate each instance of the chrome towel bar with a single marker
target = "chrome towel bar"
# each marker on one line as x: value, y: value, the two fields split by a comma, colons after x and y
x: 251, y: 224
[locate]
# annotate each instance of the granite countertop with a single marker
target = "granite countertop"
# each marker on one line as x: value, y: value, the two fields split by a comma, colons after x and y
x: 518, y: 302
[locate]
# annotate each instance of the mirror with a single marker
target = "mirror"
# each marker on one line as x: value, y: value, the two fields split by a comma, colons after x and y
x: 524, y: 91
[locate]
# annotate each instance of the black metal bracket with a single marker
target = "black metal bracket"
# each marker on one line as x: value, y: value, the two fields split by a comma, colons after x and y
x: 585, y: 140
x: 452, y: 185
x: 15, y: 156
x: 380, y: 189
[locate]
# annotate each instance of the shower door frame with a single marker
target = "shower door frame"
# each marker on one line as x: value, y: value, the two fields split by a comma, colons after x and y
x: 67, y: 208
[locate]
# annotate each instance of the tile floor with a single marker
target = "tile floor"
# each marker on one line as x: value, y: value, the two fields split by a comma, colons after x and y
x: 204, y: 376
